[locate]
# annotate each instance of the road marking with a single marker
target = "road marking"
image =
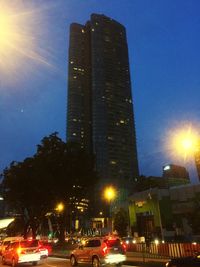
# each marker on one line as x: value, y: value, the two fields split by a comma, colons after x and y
x: 50, y: 265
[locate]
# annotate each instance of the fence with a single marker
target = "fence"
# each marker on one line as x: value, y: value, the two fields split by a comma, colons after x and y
x: 171, y: 250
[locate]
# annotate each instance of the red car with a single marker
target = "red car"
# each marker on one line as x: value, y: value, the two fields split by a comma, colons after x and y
x: 21, y: 252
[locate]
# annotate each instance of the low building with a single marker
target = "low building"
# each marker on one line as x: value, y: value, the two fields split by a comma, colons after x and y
x: 175, y: 175
x: 164, y: 213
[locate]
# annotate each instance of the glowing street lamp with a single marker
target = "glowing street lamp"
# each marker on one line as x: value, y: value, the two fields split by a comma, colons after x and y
x: 186, y: 142
x: 110, y: 194
x: 19, y: 42
x: 60, y: 207
x: 183, y: 142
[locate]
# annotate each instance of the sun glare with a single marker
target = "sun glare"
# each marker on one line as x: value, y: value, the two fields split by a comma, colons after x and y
x: 19, y: 31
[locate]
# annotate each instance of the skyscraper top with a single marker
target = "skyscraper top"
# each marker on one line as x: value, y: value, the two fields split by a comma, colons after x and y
x: 100, y: 108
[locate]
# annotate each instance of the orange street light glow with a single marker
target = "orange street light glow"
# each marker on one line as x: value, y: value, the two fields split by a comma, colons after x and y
x: 60, y: 207
x: 184, y: 142
x: 187, y: 143
x: 110, y: 193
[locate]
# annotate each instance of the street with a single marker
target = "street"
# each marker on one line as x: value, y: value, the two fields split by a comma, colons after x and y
x: 59, y: 262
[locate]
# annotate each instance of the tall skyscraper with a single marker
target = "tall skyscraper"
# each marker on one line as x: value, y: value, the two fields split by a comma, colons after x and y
x: 100, y: 109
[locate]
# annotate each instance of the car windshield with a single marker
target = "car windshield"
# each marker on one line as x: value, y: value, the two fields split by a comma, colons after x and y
x: 28, y: 244
x: 112, y: 242
x: 6, y: 242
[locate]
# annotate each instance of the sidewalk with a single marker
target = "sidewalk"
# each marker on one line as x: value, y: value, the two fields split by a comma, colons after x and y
x: 133, y: 258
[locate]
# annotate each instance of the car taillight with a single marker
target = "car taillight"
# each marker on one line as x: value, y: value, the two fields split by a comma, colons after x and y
x: 105, y: 249
x: 124, y: 247
x: 20, y: 251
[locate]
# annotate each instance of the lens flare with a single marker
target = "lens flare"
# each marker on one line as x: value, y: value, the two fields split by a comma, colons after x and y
x: 110, y: 193
x: 20, y: 29
x: 182, y: 142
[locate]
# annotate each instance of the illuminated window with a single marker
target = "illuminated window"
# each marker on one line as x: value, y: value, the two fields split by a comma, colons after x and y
x: 122, y: 121
x: 83, y: 31
x: 74, y: 134
x: 113, y: 162
x: 166, y: 168
x: 74, y: 119
x: 92, y: 30
x: 71, y: 62
x: 75, y: 77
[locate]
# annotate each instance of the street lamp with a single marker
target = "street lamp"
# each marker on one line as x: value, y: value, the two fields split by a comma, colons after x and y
x: 60, y: 207
x: 61, y: 221
x: 110, y: 194
x: 183, y: 141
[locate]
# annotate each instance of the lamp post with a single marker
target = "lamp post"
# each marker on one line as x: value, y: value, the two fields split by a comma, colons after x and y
x: 109, y: 195
x: 60, y: 210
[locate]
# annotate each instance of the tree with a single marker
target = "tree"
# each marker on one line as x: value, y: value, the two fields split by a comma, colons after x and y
x: 121, y: 222
x: 57, y: 172
x: 194, y: 217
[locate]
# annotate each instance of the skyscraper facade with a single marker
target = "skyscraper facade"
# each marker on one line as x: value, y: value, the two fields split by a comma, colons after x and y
x: 100, y: 108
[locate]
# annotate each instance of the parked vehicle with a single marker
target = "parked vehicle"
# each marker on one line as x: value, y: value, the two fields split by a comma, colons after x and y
x: 99, y: 250
x: 21, y: 252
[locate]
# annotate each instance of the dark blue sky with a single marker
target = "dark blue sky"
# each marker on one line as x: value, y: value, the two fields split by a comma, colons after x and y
x: 163, y: 40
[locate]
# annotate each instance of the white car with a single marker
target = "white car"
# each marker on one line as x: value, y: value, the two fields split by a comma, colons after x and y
x: 21, y: 252
x: 99, y: 251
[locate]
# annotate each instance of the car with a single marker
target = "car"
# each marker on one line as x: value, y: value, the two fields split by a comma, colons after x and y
x: 45, y: 249
x: 99, y: 251
x: 25, y: 251
x: 7, y: 241
x: 191, y: 261
x: 128, y: 241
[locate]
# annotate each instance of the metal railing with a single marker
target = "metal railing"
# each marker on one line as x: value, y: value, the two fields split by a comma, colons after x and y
x: 171, y: 250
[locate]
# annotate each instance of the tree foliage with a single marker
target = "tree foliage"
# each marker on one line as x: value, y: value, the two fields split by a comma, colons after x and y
x: 121, y: 222
x: 55, y: 173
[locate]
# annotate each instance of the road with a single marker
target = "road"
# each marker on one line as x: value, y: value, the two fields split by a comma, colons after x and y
x: 59, y: 262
